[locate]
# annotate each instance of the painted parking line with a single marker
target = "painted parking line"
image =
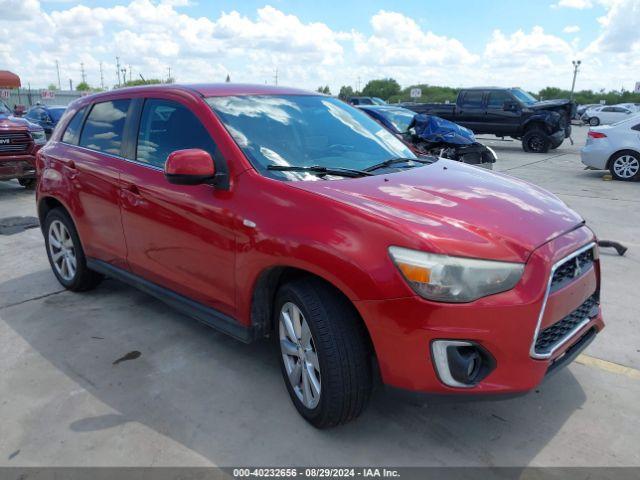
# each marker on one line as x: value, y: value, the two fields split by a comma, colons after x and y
x: 608, y: 366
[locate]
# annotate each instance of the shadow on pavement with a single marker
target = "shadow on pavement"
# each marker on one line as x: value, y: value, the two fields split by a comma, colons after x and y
x: 227, y: 402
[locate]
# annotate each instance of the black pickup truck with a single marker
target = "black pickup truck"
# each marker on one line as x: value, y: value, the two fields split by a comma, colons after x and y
x: 507, y: 112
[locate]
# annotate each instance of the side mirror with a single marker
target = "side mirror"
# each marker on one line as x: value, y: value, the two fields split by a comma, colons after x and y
x: 189, y: 167
x: 509, y: 106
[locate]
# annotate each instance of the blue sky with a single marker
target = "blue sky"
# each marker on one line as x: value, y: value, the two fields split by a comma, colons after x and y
x: 457, y: 43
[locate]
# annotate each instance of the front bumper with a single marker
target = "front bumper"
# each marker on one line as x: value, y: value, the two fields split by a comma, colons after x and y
x: 403, y: 329
x: 17, y: 166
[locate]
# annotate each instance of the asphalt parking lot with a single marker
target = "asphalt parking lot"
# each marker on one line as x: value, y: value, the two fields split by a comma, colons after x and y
x: 195, y: 397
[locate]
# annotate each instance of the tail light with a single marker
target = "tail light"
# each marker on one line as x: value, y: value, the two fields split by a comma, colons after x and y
x: 593, y: 134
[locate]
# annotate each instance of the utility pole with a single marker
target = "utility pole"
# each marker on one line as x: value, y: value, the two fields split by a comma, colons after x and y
x: 118, y: 70
x: 84, y: 77
x: 124, y: 75
x: 101, y: 77
x: 58, y: 70
x: 130, y: 70
x: 169, y: 73
x: 276, y: 76
x: 358, y: 86
x: 576, y: 66
x: 70, y: 84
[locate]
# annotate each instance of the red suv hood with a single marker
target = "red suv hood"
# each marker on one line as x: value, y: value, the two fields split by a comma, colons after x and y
x: 452, y: 208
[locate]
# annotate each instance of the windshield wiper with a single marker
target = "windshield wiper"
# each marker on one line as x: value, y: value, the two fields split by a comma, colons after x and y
x: 393, y: 161
x: 320, y: 170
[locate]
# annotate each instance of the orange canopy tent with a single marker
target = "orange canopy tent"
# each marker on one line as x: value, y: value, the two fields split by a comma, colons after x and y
x: 9, y: 80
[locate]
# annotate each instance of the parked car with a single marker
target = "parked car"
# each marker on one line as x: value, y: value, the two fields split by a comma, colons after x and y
x: 19, y: 142
x: 634, y: 107
x: 616, y: 148
x: 581, y: 109
x: 606, y: 114
x: 270, y: 211
x: 47, y: 116
x: 431, y: 135
x: 508, y: 112
x: 366, y: 101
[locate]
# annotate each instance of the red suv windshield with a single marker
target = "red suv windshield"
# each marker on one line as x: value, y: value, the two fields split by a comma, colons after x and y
x: 303, y: 131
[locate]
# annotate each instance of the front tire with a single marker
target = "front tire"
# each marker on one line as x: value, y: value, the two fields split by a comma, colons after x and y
x: 65, y: 253
x: 536, y: 140
x: 625, y: 165
x: 324, y: 353
x: 594, y: 121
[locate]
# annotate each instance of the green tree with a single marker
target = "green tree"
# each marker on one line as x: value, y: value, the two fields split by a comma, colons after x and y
x: 83, y: 87
x: 345, y: 92
x: 52, y: 86
x: 383, y: 88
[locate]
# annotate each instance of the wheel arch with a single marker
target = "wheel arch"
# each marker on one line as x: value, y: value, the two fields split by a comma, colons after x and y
x: 45, y: 205
x: 618, y: 152
x: 266, y: 288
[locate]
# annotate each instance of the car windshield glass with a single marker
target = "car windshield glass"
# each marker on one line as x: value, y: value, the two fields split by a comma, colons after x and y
x: 378, y: 101
x: 56, y: 113
x: 305, y: 131
x: 400, y: 118
x: 4, y: 110
x: 523, y: 96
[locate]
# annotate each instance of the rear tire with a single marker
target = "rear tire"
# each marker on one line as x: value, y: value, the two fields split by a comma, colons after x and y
x: 65, y: 253
x: 28, y: 183
x: 594, y: 121
x: 536, y: 140
x: 555, y: 145
x: 625, y: 165
x: 338, y: 347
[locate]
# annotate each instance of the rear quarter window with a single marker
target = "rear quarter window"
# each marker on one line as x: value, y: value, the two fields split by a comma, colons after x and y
x: 72, y: 132
x: 104, y: 126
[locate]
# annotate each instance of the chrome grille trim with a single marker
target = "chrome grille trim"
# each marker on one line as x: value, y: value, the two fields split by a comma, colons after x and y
x: 571, y: 334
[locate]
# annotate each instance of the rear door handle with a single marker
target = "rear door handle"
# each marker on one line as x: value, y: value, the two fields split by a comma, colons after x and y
x: 70, y: 164
x: 131, y: 194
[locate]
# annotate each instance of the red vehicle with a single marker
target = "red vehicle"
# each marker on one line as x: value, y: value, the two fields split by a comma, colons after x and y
x: 19, y: 142
x: 266, y: 211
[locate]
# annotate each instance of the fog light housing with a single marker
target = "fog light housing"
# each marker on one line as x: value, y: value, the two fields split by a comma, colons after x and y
x: 461, y: 363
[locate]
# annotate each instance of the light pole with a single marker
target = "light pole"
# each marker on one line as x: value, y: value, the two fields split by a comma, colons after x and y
x: 576, y: 66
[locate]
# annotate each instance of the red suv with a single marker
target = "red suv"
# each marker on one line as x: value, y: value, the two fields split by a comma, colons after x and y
x: 267, y: 211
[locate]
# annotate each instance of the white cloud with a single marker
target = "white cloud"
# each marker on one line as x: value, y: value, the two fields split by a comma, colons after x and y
x: 578, y: 4
x: 152, y: 35
x: 571, y: 29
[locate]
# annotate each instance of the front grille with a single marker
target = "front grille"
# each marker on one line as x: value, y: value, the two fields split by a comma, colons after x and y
x: 572, y: 269
x: 17, y: 142
x: 556, y: 333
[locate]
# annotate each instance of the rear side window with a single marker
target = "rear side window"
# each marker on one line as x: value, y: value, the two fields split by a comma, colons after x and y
x: 472, y: 99
x: 104, y: 126
x: 497, y: 99
x: 72, y: 132
x: 168, y: 126
x: 636, y: 127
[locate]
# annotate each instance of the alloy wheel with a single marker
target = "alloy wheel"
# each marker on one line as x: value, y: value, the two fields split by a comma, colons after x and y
x: 536, y: 144
x: 63, y: 253
x: 626, y: 166
x: 299, y: 355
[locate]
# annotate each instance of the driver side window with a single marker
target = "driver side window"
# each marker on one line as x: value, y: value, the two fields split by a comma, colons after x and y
x: 168, y: 126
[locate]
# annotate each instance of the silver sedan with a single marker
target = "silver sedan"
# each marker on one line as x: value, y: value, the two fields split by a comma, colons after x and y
x: 615, y: 148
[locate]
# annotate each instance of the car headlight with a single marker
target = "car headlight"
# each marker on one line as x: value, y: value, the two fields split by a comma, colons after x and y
x: 39, y: 138
x: 442, y: 278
